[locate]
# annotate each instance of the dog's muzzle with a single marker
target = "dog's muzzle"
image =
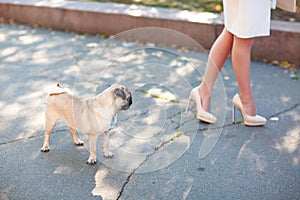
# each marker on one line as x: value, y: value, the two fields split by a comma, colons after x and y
x: 127, y: 102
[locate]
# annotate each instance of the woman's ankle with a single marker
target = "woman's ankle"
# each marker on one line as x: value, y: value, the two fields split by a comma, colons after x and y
x: 248, y: 104
x: 205, y: 96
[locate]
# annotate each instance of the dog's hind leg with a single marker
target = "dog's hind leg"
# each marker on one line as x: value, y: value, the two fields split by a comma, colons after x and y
x: 76, y: 140
x: 49, y: 125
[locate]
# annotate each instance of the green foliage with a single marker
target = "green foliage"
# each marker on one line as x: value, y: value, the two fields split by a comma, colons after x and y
x: 200, y: 5
x: 215, y: 6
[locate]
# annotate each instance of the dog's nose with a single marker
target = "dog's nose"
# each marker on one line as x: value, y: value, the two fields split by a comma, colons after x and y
x: 130, y: 100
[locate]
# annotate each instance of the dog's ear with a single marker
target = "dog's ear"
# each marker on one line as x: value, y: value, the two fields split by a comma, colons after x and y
x: 120, y: 93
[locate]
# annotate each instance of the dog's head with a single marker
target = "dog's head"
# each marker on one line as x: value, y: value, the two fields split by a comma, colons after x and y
x: 122, y: 96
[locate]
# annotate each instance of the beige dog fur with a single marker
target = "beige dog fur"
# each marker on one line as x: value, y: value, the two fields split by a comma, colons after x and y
x: 93, y: 117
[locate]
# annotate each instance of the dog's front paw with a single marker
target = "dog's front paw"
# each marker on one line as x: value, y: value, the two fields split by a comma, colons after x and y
x: 91, y: 161
x: 108, y: 154
x: 45, y: 149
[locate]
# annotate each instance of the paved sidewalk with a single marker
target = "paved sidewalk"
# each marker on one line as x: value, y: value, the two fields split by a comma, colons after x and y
x: 111, y: 18
x: 159, y: 151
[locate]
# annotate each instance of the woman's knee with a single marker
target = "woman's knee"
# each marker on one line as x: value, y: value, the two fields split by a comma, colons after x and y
x: 244, y: 41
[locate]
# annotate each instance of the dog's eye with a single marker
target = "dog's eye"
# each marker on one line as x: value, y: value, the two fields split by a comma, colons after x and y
x: 119, y: 92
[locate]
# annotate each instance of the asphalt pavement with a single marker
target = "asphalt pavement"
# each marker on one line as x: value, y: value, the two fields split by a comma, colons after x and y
x: 160, y: 152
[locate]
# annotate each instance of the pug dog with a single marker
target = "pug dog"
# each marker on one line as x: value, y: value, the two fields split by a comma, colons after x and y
x: 93, y: 117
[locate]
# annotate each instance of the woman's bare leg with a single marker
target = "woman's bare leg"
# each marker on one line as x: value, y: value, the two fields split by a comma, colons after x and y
x: 241, y: 55
x: 216, y: 59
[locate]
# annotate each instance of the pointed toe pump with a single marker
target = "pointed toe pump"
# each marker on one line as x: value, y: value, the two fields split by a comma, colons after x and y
x: 201, y: 113
x: 256, y: 120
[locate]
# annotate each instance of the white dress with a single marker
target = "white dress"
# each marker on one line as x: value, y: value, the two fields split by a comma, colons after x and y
x: 248, y: 18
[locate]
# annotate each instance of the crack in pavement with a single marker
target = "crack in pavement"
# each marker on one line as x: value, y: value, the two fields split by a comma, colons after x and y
x: 284, y: 111
x: 201, y: 129
x: 20, y: 139
x: 157, y: 148
x: 160, y: 146
x: 30, y: 137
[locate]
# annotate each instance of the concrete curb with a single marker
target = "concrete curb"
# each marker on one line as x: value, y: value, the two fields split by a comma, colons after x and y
x: 111, y: 19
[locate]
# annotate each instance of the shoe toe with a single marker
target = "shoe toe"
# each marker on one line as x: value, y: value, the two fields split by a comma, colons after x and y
x: 207, y: 117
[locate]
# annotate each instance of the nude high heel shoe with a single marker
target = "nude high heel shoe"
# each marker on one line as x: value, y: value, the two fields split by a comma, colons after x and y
x: 201, y: 114
x: 256, y: 120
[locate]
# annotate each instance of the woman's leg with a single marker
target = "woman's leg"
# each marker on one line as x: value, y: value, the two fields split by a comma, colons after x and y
x: 216, y: 59
x: 241, y: 55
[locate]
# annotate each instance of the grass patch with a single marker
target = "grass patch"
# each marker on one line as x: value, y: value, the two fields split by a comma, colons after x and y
x: 176, y: 135
x: 215, y: 6
x: 155, y: 96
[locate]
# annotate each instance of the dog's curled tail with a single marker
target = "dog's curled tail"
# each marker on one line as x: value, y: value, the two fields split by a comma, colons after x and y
x: 58, y: 89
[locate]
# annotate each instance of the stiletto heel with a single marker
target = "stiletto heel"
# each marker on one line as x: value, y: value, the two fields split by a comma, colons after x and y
x: 201, y: 114
x: 233, y: 114
x: 187, y: 105
x: 256, y: 120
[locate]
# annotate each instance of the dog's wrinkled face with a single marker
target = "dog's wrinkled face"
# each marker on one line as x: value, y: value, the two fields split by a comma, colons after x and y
x: 124, y: 94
